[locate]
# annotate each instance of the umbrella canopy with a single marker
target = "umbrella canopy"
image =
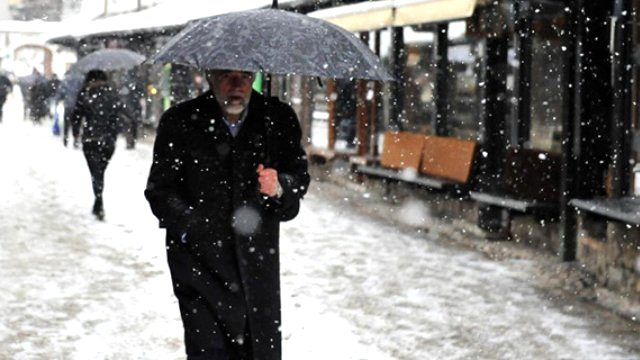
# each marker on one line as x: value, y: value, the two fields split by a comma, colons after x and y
x: 109, y: 59
x: 31, y: 79
x: 70, y: 87
x: 273, y: 41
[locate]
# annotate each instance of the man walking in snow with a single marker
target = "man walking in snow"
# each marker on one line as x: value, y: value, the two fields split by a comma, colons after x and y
x: 227, y: 168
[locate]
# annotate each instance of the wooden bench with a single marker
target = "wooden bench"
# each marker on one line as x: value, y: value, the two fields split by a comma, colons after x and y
x: 429, y: 161
x: 319, y: 156
x: 322, y: 156
x: 448, y: 158
x: 625, y: 209
x: 509, y: 202
x: 531, y: 183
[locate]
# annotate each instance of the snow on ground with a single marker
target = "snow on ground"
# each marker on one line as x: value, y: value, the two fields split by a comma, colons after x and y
x: 72, y: 287
x: 353, y: 288
x: 416, y: 299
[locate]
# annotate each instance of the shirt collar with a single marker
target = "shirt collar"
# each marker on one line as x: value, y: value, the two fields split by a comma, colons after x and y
x: 235, y: 127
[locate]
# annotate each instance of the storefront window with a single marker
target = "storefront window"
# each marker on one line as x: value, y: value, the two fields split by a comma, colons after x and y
x: 464, y: 115
x: 419, y: 87
x: 549, y: 75
x: 462, y: 83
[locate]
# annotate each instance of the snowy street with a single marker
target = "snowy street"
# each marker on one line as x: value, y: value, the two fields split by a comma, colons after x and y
x: 354, y: 287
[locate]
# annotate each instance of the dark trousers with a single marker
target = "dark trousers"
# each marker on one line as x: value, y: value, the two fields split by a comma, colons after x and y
x: 98, y: 156
x: 70, y: 122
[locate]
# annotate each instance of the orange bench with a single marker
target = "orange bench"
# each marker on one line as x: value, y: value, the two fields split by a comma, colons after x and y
x: 448, y: 158
x: 432, y: 161
x: 401, y: 150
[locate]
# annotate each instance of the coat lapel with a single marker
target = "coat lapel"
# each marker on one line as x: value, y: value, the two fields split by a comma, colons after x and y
x: 252, y: 135
x: 210, y: 119
x: 254, y: 122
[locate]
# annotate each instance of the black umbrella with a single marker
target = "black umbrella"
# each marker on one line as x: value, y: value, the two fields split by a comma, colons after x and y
x: 70, y: 87
x: 273, y: 41
x: 109, y: 59
x: 31, y: 79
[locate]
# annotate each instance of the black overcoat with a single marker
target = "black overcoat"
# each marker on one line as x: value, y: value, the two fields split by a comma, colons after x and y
x: 222, y: 236
x: 98, y: 106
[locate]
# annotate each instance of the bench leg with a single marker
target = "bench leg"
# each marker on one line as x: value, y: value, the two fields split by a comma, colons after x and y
x: 387, y: 187
x: 495, y: 221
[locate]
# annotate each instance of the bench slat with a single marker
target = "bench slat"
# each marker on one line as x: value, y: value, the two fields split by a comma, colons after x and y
x: 509, y: 202
x: 624, y: 209
x: 402, y: 176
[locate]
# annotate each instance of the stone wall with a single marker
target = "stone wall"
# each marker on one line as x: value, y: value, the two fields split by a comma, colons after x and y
x: 542, y: 233
x: 610, y: 250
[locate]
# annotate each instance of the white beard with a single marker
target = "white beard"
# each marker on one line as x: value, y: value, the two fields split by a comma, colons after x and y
x: 234, y: 109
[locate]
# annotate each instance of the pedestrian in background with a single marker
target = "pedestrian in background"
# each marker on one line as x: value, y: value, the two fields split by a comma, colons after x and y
x: 5, y: 88
x: 227, y: 169
x: 132, y: 97
x: 39, y: 92
x: 98, y: 108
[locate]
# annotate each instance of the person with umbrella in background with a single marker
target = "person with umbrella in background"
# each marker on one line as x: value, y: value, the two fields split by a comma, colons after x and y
x: 98, y: 107
x: 132, y: 95
x: 228, y: 167
x: 100, y: 111
x: 38, y: 96
x: 31, y: 89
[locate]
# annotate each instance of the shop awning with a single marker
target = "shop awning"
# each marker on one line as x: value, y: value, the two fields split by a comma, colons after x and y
x: 359, y: 17
x: 26, y: 27
x: 169, y: 14
x: 412, y: 12
x: 381, y: 14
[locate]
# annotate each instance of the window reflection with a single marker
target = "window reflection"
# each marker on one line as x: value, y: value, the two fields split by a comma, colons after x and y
x: 548, y: 73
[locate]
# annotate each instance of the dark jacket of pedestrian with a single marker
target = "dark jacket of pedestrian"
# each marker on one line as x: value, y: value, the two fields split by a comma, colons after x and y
x: 37, y: 97
x: 222, y: 235
x: 5, y: 89
x: 98, y: 106
x: 98, y: 109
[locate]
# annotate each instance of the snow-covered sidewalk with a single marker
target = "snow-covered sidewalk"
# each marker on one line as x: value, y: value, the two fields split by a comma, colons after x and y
x: 353, y: 288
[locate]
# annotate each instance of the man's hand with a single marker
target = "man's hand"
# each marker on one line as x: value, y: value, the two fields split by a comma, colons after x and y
x: 268, y: 179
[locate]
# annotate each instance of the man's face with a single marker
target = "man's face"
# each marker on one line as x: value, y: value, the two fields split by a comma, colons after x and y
x: 232, y: 89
